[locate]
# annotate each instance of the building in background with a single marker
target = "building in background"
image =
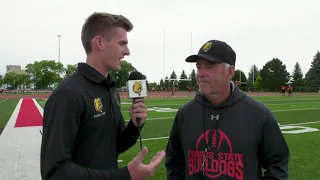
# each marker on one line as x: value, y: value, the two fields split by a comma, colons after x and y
x: 16, y: 69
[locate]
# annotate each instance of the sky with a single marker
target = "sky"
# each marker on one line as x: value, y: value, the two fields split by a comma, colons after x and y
x: 165, y: 32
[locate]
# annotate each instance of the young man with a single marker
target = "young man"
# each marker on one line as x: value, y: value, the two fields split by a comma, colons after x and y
x: 84, y: 130
x: 222, y: 133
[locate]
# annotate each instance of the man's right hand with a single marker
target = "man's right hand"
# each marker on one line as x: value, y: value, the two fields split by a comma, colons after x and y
x: 140, y: 171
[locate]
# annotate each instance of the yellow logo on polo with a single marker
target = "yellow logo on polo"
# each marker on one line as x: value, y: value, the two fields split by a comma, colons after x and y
x: 206, y: 46
x: 137, y: 87
x: 98, y: 104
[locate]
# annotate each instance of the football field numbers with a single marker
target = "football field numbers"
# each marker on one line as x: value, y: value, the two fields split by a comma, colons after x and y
x: 296, y: 129
x: 286, y: 129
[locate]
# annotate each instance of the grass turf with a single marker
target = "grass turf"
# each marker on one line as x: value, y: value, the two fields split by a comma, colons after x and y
x: 304, y: 147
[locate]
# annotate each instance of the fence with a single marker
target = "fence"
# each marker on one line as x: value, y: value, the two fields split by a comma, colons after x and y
x: 21, y: 91
x: 294, y: 89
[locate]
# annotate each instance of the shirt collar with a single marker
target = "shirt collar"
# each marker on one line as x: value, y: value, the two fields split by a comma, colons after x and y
x: 93, y: 75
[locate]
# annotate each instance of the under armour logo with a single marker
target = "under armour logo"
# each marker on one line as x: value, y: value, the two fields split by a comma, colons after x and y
x: 215, y: 117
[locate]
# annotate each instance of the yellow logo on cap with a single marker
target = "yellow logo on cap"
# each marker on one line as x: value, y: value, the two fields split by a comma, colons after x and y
x: 98, y: 104
x: 206, y: 46
x: 137, y: 87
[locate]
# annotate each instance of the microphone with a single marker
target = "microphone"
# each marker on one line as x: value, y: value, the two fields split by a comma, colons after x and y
x: 137, y: 88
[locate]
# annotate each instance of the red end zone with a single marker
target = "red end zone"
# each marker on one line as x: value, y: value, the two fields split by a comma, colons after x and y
x: 29, y: 115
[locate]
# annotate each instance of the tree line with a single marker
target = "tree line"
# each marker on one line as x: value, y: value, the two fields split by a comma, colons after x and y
x: 46, y: 74
x: 270, y: 77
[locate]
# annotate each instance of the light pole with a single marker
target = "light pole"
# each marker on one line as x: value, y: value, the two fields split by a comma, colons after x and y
x: 59, y: 47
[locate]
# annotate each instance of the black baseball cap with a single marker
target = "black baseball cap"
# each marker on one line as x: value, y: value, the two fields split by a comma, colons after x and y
x: 215, y: 51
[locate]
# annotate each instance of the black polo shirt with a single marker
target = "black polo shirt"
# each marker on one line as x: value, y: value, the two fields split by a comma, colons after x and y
x: 84, y: 130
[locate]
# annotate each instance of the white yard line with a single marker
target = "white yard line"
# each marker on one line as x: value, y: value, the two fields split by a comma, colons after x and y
x: 20, y: 150
x: 150, y: 139
x: 288, y: 110
x: 312, y: 122
x: 3, y: 101
x: 38, y: 106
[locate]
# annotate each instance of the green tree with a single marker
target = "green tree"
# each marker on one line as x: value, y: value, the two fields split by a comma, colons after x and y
x: 45, y: 73
x: 252, y: 75
x: 1, y: 82
x: 258, y: 82
x: 173, y: 76
x: 10, y: 79
x: 297, y: 76
x: 183, y: 85
x: 70, y: 69
x: 274, y: 74
x: 239, y: 76
x: 161, y: 84
x: 313, y: 75
x: 167, y: 83
x: 121, y: 77
x: 192, y: 76
x: 23, y: 80
x: 15, y: 80
x: 153, y: 85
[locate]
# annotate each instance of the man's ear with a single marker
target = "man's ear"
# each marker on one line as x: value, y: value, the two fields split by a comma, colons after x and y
x: 98, y: 42
x: 231, y: 71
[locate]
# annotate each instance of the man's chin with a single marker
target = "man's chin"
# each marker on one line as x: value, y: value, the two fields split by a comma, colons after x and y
x: 203, y: 91
x: 116, y: 68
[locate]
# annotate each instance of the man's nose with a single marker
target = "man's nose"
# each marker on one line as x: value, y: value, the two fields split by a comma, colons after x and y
x: 201, y: 72
x: 126, y: 51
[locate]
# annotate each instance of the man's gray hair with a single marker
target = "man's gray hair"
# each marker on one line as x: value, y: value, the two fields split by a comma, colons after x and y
x: 226, y: 66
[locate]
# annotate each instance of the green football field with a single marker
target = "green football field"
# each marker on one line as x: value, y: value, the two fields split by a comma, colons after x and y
x: 302, y: 112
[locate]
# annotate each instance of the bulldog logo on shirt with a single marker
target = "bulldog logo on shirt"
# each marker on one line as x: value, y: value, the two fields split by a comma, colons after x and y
x: 98, y: 106
x: 218, y: 160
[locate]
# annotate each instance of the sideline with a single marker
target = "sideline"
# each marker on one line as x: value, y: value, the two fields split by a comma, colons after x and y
x: 3, y: 101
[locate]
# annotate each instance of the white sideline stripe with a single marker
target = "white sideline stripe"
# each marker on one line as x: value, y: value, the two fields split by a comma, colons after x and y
x: 166, y: 137
x: 20, y: 150
x: 12, y: 120
x: 3, y: 101
x: 38, y: 106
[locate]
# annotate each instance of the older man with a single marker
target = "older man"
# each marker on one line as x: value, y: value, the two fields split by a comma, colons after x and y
x: 223, y: 133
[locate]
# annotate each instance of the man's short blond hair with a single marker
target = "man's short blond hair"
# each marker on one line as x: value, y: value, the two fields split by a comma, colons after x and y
x: 102, y: 24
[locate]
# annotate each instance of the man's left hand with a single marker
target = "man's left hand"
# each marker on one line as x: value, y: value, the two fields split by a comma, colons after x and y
x: 138, y: 109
